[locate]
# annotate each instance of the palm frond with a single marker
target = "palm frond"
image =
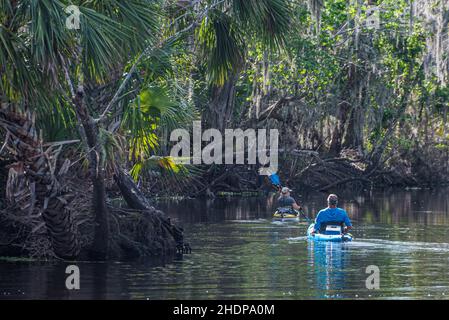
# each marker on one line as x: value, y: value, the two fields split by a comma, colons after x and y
x: 16, y: 75
x: 49, y: 36
x: 268, y: 19
x: 221, y: 46
x: 56, y: 120
x: 112, y: 149
x: 152, y: 109
x: 113, y: 30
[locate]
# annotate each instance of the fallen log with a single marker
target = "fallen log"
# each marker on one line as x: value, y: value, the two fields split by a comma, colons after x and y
x: 130, y: 192
x: 171, y: 235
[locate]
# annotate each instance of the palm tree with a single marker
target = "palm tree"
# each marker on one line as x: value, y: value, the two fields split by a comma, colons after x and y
x: 222, y: 38
x: 49, y: 69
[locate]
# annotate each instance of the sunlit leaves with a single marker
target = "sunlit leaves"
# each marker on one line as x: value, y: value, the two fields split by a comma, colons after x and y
x: 139, y: 122
x: 112, y: 148
x: 152, y: 108
x: 154, y: 164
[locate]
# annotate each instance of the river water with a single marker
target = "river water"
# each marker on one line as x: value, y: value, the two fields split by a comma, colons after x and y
x: 240, y: 253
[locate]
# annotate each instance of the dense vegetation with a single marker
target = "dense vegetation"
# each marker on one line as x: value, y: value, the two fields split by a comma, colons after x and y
x: 358, y: 102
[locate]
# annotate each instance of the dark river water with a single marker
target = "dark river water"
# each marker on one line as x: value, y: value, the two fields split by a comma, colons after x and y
x: 240, y: 253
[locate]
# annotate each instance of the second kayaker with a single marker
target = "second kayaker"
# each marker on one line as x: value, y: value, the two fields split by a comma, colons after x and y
x: 286, y: 201
x: 332, y: 214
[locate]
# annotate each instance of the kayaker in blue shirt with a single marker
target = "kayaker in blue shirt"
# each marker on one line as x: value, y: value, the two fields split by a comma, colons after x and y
x: 332, y: 214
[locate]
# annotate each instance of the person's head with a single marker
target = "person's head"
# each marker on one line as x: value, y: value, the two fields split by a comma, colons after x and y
x: 285, y: 191
x: 332, y: 200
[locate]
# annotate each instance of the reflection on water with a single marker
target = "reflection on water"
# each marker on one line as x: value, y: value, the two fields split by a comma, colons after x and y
x: 240, y: 253
x: 327, y: 262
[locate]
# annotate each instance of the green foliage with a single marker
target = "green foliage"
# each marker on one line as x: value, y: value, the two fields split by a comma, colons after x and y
x: 221, y: 46
x: 228, y: 27
x: 274, y: 47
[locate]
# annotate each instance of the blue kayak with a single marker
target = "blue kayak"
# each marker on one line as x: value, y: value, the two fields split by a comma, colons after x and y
x: 332, y: 233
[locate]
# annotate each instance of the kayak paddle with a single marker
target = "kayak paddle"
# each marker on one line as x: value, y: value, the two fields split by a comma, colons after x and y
x: 301, y: 211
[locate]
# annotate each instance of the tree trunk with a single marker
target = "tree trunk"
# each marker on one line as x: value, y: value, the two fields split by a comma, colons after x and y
x: 131, y: 193
x: 378, y: 150
x: 261, y: 92
x: 100, y: 246
x: 348, y: 132
x: 137, y: 200
x: 34, y: 183
x: 219, y: 112
x: 339, y: 128
x: 353, y: 135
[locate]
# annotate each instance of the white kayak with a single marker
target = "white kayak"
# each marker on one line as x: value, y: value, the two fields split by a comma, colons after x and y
x: 331, y: 234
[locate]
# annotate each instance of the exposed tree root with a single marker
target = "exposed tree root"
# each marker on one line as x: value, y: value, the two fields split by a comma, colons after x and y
x: 47, y: 212
x: 134, y: 233
x: 34, y: 185
x: 310, y: 170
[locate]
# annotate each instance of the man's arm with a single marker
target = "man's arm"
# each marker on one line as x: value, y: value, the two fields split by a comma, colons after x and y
x: 296, y: 206
x: 316, y: 227
x: 348, y: 224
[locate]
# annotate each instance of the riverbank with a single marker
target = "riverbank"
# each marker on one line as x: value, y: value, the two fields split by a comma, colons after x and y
x: 303, y: 169
x: 135, y: 230
x: 138, y: 230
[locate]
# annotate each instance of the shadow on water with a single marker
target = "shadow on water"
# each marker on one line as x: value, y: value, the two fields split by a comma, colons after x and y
x: 240, y: 253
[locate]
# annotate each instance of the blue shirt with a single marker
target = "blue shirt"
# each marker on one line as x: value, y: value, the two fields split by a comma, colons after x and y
x: 332, y: 215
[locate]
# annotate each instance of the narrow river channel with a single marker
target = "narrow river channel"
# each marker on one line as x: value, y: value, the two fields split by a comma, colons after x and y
x: 240, y: 253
